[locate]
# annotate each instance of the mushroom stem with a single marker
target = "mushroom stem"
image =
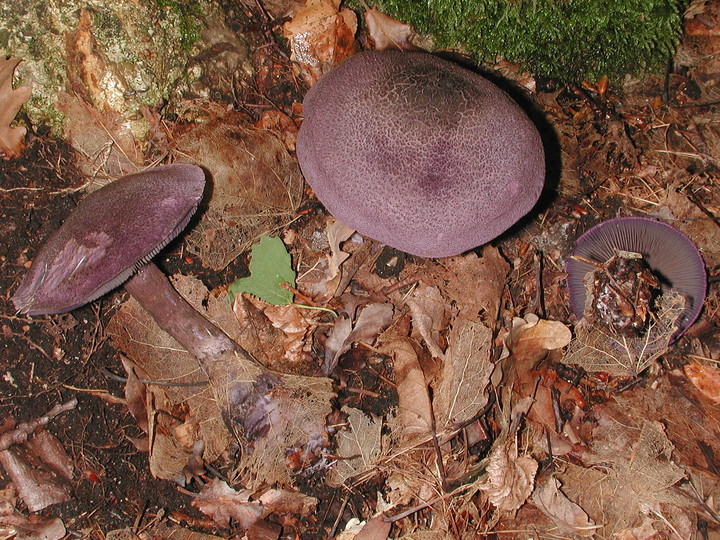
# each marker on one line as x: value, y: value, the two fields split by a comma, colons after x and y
x: 152, y: 289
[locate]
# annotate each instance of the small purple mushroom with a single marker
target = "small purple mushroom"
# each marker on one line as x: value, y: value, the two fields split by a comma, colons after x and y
x: 419, y: 153
x: 671, y: 256
x: 112, y: 234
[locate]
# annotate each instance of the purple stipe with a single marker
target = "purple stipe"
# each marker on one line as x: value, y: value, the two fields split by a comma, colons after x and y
x: 670, y: 254
x: 419, y: 153
x: 111, y: 233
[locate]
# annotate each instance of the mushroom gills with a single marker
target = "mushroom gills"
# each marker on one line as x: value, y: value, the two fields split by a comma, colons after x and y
x: 111, y: 233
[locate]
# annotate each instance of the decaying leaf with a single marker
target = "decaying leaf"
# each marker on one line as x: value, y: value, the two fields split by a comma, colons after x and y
x: 475, y: 284
x: 11, y: 138
x: 221, y: 502
x: 509, y: 477
x: 427, y: 308
x: 337, y: 233
x: 599, y: 349
x: 635, y: 472
x: 414, y: 408
x: 321, y: 35
x: 388, y: 33
x: 567, y: 515
x: 257, y: 186
x: 705, y: 378
x: 530, y: 338
x: 460, y: 391
x: 359, y: 446
x: 104, y: 139
x: 295, y: 323
x: 372, y: 320
x: 136, y: 334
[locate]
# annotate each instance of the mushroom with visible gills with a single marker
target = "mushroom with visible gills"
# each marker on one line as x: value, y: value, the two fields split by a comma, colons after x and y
x: 419, y: 153
x: 671, y: 256
x: 112, y: 234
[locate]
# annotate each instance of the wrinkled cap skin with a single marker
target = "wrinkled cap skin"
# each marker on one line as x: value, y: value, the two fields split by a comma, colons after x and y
x: 670, y: 254
x: 112, y: 232
x: 419, y: 153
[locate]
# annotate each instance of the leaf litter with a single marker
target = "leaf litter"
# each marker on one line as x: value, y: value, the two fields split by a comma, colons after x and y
x: 491, y: 426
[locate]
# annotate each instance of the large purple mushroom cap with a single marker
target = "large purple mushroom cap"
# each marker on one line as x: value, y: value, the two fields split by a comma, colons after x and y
x: 419, y: 153
x: 111, y: 233
x: 670, y: 254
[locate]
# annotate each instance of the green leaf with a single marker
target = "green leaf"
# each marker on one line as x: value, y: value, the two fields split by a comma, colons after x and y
x: 270, y: 267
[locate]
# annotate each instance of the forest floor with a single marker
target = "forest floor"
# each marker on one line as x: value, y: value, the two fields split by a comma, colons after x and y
x: 630, y: 451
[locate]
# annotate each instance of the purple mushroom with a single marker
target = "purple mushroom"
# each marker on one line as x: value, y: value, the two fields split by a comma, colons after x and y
x: 112, y: 234
x: 419, y: 153
x: 671, y: 256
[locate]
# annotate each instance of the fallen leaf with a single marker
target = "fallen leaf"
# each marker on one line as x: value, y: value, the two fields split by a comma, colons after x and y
x: 567, y: 515
x: 11, y: 138
x: 372, y: 320
x: 222, y: 503
x: 270, y: 267
x: 257, y: 186
x: 375, y: 529
x: 510, y: 477
x: 414, y: 407
x: 388, y: 33
x: 488, y: 278
x: 460, y: 391
x: 530, y: 338
x: 705, y: 378
x: 284, y: 501
x: 358, y: 446
x: 427, y: 308
x: 337, y: 233
x: 321, y: 35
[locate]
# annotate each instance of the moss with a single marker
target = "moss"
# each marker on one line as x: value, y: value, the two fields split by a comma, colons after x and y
x: 567, y: 40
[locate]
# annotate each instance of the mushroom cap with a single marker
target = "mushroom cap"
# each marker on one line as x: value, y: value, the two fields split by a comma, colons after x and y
x: 670, y: 254
x: 111, y: 233
x: 419, y: 153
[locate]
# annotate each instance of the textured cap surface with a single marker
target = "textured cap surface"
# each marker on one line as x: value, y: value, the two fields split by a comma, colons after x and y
x: 110, y: 233
x: 419, y: 153
x: 670, y: 254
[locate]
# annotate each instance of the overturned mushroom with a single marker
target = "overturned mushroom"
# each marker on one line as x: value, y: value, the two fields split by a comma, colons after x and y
x: 671, y: 256
x: 419, y: 153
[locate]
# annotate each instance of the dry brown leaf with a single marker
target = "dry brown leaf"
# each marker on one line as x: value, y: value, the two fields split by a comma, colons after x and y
x: 296, y: 324
x: 257, y: 186
x: 375, y: 529
x: 414, y: 408
x: 475, y: 284
x: 636, y: 472
x: 530, y: 338
x: 567, y: 515
x: 321, y: 35
x: 388, y: 33
x: 597, y: 349
x: 691, y: 220
x: 372, y: 320
x: 705, y: 378
x: 427, y: 308
x: 135, y: 395
x: 358, y: 446
x: 222, y: 503
x: 459, y: 393
x: 283, y: 501
x: 258, y: 336
x: 11, y: 138
x: 104, y: 139
x: 510, y: 477
x: 337, y: 233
